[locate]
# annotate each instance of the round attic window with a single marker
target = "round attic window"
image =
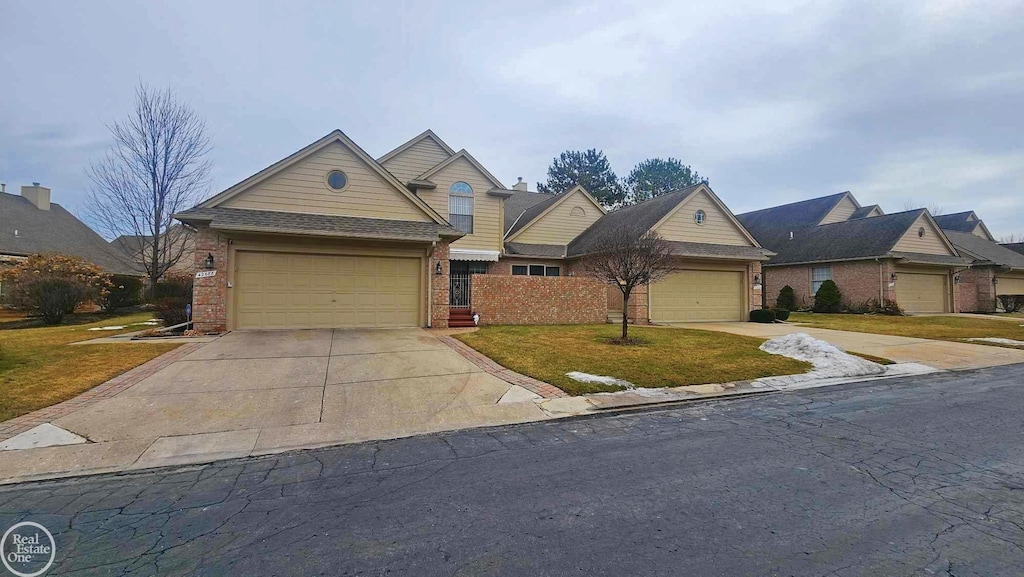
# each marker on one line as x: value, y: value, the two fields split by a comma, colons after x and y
x: 920, y: 232
x: 337, y: 180
x: 699, y: 217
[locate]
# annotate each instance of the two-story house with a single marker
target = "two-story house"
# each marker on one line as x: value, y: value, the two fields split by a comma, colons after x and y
x: 427, y: 236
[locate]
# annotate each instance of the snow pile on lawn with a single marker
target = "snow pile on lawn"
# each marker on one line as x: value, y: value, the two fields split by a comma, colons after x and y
x: 110, y: 328
x: 828, y: 360
x: 588, y: 378
x: 150, y: 322
x: 999, y: 341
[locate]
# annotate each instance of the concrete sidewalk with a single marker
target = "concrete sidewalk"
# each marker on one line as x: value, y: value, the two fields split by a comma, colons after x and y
x: 939, y: 354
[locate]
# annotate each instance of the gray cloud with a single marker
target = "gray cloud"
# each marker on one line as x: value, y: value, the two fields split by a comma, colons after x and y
x: 774, y: 103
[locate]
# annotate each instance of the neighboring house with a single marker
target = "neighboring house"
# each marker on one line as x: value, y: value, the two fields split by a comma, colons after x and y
x: 179, y: 243
x: 995, y: 270
x: 871, y: 256
x: 31, y: 224
x: 966, y: 222
x: 426, y: 236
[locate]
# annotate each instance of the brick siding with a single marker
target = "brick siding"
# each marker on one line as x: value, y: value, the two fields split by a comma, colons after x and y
x: 535, y: 300
x: 858, y: 281
x: 976, y: 292
x: 439, y: 286
x: 209, y: 295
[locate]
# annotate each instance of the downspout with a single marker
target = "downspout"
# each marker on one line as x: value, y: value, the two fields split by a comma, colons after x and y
x: 881, y: 283
x: 430, y: 286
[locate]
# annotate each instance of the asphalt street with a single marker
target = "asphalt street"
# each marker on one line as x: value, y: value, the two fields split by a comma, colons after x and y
x: 916, y: 476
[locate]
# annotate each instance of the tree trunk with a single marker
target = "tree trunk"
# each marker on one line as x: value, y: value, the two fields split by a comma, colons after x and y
x: 625, y: 315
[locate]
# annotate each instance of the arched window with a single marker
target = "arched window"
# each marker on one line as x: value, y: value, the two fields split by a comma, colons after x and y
x: 460, y: 207
x: 699, y: 217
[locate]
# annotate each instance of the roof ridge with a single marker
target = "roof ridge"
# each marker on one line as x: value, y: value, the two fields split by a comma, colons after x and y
x: 788, y: 204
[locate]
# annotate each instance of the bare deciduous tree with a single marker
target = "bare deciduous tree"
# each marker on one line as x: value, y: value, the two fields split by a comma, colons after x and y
x: 1012, y: 239
x: 629, y: 257
x: 934, y: 208
x: 155, y: 167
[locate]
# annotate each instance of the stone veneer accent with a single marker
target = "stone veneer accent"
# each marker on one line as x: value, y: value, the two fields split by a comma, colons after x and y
x: 439, y: 286
x: 210, y: 295
x: 535, y: 300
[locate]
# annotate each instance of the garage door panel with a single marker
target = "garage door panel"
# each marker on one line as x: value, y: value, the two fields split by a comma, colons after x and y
x: 280, y: 290
x: 920, y: 293
x: 1010, y: 285
x: 689, y: 296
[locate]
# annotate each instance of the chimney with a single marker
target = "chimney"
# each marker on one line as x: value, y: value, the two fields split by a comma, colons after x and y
x: 790, y: 235
x: 520, y: 185
x: 37, y: 195
x: 3, y: 187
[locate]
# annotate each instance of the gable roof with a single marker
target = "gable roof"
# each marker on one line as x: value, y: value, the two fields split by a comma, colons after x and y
x: 537, y: 211
x: 412, y: 142
x: 772, y: 225
x: 985, y: 251
x: 646, y: 215
x: 864, y: 211
x: 851, y: 240
x: 334, y: 136
x: 519, y: 202
x: 1014, y: 246
x: 455, y: 157
x: 54, y: 231
x: 967, y: 221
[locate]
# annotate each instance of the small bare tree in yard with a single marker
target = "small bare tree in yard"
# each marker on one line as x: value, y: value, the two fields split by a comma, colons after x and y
x: 629, y: 257
x: 156, y: 167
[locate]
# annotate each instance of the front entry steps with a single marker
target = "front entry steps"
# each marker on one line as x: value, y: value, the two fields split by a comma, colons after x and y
x: 460, y: 317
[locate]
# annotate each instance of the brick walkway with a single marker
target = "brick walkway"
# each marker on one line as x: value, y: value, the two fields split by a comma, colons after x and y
x: 106, y: 390
x: 509, y: 376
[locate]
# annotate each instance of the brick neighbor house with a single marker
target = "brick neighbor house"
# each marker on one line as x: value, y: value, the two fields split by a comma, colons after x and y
x: 871, y: 256
x: 994, y: 270
x: 426, y: 236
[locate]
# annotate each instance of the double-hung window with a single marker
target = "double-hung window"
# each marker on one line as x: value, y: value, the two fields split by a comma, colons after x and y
x: 460, y: 207
x: 819, y: 274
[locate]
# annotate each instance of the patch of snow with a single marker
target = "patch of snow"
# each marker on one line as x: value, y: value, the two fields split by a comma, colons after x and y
x: 829, y: 360
x: 150, y: 322
x: 110, y: 328
x: 999, y: 341
x: 588, y: 378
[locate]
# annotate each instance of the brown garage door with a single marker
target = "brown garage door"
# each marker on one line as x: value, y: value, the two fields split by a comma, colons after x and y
x: 699, y: 295
x: 920, y: 293
x: 283, y: 290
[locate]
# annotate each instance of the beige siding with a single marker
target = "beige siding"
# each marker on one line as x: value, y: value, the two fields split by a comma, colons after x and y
x: 918, y: 292
x: 978, y: 231
x: 717, y: 227
x: 301, y: 188
x: 874, y: 212
x: 486, y: 208
x: 562, y: 224
x: 842, y: 211
x: 416, y: 159
x: 930, y: 243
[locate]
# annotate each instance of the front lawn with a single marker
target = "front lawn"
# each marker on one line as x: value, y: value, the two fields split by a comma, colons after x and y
x: 39, y: 369
x: 669, y: 358
x: 943, y: 328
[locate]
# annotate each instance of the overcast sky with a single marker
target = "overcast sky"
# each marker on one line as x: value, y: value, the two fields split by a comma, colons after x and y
x: 773, y: 104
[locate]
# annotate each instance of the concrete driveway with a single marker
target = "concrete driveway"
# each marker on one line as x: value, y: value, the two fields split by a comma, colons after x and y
x: 258, y: 392
x: 939, y: 354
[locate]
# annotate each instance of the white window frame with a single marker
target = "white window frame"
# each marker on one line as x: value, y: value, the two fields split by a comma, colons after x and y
x: 824, y: 272
x: 458, y: 200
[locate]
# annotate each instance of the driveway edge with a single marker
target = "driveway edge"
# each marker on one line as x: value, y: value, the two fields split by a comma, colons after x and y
x: 105, y: 390
x: 541, y: 388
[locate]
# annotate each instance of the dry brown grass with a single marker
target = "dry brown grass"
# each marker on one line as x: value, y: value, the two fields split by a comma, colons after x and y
x: 668, y: 357
x: 39, y: 369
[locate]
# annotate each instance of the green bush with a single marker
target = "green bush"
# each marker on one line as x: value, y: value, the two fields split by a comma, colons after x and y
x: 762, y: 316
x: 828, y: 299
x: 786, y: 300
x: 173, y: 286
x: 171, y: 310
x: 782, y: 314
x: 52, y: 285
x: 124, y: 291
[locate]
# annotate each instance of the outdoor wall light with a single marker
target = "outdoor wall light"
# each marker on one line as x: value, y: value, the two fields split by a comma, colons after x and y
x: 209, y: 260
x: 956, y: 279
x: 892, y: 277
x: 437, y: 269
x: 757, y: 279
x: 995, y: 280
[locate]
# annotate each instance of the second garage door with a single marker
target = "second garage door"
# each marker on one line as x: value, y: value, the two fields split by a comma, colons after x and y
x: 699, y: 295
x: 922, y: 293
x: 283, y: 290
x: 1010, y: 285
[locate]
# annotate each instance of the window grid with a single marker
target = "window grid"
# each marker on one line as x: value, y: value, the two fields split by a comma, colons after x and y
x: 460, y: 207
x: 819, y: 274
